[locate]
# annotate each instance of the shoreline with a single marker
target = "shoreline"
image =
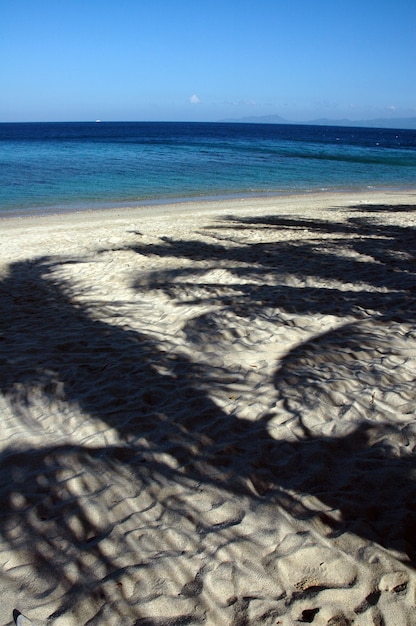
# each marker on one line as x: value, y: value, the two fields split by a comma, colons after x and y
x: 160, y: 203
x: 157, y: 208
x: 208, y: 412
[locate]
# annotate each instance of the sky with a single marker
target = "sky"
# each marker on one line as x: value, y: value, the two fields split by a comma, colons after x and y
x: 206, y: 60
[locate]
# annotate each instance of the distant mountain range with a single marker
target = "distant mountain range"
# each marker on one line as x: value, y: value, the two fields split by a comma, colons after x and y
x: 401, y: 123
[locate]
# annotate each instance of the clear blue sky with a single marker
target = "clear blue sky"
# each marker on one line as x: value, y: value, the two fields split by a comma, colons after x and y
x: 206, y: 60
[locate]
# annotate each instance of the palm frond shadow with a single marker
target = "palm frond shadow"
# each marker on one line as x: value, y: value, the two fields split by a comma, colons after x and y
x: 371, y: 267
x: 171, y: 431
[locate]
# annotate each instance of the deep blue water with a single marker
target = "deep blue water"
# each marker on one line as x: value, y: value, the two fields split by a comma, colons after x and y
x: 69, y: 166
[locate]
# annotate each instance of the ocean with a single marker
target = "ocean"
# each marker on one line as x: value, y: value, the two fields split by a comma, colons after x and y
x: 70, y: 166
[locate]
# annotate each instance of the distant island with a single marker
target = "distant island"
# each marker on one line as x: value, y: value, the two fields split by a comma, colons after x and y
x: 401, y: 123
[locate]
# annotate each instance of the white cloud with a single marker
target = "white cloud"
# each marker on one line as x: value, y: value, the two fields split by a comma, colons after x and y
x: 194, y: 99
x: 392, y: 107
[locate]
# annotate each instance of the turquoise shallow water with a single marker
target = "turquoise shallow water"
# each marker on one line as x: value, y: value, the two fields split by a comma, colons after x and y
x: 68, y: 166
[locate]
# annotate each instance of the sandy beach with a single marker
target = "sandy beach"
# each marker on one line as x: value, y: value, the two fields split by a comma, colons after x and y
x: 208, y: 413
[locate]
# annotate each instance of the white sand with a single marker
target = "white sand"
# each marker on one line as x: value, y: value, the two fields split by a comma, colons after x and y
x: 208, y: 414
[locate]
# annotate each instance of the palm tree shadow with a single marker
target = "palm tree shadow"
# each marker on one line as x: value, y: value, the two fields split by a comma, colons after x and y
x: 335, y: 379
x: 56, y: 359
x: 384, y: 273
x: 157, y: 404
